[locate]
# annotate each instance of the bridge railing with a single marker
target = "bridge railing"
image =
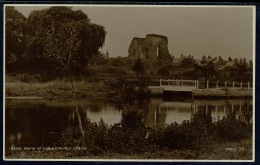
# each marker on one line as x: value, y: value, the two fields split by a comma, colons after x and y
x: 176, y: 82
x: 208, y: 84
x: 232, y: 85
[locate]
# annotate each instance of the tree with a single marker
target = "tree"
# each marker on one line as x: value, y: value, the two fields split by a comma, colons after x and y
x: 163, y: 71
x: 138, y: 67
x: 187, y: 62
x: 117, y: 62
x: 49, y: 24
x: 229, y: 59
x: 131, y: 118
x: 242, y: 69
x: 66, y: 39
x: 220, y: 58
x: 208, y: 68
x: 204, y: 58
x: 99, y: 60
x: 14, y: 37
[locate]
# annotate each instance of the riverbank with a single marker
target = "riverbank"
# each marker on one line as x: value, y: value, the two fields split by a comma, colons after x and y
x: 55, y: 89
x: 221, y: 93
x: 241, y: 150
x: 62, y: 89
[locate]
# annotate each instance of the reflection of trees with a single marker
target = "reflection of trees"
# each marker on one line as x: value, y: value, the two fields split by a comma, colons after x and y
x: 34, y: 124
x: 95, y: 106
x: 247, y: 111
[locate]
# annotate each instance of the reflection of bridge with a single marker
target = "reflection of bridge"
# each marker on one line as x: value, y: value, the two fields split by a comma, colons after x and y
x: 161, y: 112
x: 216, y: 109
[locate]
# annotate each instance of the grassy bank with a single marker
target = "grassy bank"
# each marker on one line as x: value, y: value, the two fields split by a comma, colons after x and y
x: 211, y: 93
x: 55, y: 89
x: 241, y: 150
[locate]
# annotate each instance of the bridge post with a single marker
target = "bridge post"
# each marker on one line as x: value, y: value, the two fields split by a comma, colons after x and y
x: 160, y: 82
x: 225, y: 84
x: 207, y: 84
x: 217, y: 84
x: 198, y: 82
x: 233, y: 85
x: 241, y: 86
x: 248, y: 85
x: 168, y: 81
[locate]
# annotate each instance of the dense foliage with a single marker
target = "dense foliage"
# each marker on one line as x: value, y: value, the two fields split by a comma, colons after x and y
x: 131, y: 137
x: 15, y: 24
x: 138, y: 67
x: 57, y: 39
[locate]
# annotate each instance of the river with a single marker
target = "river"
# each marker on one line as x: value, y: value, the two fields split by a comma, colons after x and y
x: 40, y: 122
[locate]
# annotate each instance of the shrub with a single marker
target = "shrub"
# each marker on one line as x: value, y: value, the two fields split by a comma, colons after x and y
x: 163, y: 71
x: 131, y: 137
x: 232, y: 130
x: 131, y: 119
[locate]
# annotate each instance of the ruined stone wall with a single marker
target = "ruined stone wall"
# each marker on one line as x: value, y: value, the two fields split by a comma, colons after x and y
x: 136, y: 47
x: 152, y: 47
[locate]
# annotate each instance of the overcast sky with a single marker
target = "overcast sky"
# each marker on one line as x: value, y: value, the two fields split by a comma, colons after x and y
x: 215, y: 31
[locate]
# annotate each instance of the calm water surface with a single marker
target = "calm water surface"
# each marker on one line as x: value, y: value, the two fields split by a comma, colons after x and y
x: 41, y: 122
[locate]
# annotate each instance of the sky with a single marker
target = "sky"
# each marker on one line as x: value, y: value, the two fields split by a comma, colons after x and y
x: 225, y: 31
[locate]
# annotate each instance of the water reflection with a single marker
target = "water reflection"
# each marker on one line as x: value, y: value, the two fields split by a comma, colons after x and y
x: 41, y: 122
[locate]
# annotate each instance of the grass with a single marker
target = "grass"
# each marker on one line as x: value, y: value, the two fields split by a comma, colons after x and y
x: 241, y: 150
x: 54, y: 89
x: 216, y: 151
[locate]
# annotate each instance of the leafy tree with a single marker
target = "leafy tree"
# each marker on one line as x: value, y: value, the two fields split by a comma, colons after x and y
x: 208, y: 68
x: 55, y: 24
x: 229, y: 59
x: 67, y: 40
x: 242, y: 69
x: 14, y: 37
x: 220, y: 58
x: 187, y: 62
x: 99, y: 60
x: 204, y: 58
x: 138, y: 67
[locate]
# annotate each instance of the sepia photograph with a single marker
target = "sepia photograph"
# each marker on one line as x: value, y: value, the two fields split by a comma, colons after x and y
x: 129, y: 82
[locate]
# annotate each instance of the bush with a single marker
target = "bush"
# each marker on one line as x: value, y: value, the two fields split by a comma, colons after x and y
x: 131, y: 119
x: 232, y: 130
x: 163, y: 71
x: 130, y: 136
x: 117, y: 62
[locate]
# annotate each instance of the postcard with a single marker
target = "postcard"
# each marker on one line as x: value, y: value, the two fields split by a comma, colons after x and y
x: 148, y: 83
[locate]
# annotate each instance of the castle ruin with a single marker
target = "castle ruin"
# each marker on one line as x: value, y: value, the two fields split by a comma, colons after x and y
x: 153, y: 46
